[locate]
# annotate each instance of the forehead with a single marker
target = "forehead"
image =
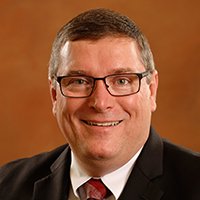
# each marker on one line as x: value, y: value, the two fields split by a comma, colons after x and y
x: 106, y: 54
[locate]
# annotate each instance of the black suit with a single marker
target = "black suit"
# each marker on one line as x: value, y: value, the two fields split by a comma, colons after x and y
x: 163, y: 171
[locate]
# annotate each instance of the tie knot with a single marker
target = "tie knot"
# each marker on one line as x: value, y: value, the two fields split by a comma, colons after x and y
x: 93, y: 189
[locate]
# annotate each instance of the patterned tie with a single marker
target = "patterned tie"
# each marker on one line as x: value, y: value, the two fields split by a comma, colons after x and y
x: 93, y: 189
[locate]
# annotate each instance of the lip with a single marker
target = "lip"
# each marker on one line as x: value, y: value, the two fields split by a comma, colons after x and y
x: 102, y: 123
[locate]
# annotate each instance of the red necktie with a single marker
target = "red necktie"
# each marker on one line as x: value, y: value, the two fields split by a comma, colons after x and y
x: 94, y: 189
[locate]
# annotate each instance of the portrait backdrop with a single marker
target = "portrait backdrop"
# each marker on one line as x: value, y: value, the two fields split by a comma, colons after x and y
x: 28, y: 28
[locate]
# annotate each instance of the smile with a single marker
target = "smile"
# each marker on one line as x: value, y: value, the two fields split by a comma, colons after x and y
x: 102, y: 124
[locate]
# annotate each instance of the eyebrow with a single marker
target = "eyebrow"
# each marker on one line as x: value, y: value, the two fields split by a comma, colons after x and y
x: 122, y: 70
x: 76, y: 72
x: 115, y: 71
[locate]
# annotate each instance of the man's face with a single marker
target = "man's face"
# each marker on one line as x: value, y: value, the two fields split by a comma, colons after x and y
x: 104, y: 127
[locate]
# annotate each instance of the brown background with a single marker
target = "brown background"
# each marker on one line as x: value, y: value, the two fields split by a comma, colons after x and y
x: 27, y: 30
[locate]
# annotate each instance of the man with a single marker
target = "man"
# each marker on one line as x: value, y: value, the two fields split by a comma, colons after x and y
x: 103, y: 85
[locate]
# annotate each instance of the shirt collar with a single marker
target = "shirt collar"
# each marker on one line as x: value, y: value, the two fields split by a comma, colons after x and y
x: 114, y: 181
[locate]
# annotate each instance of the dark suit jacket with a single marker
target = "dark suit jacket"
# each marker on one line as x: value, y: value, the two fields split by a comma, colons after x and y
x: 163, y: 171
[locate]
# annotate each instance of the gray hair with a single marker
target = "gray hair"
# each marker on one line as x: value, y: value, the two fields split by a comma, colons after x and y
x: 96, y: 24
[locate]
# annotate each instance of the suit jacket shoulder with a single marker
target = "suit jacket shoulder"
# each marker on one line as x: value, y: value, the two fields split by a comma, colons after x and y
x: 184, y: 165
x: 18, y: 177
x: 164, y: 171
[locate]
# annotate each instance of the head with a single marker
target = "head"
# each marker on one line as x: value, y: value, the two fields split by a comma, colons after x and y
x: 103, y: 130
x: 94, y: 25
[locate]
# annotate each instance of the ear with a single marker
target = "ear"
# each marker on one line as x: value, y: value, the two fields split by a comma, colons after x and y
x: 53, y: 94
x: 153, y: 86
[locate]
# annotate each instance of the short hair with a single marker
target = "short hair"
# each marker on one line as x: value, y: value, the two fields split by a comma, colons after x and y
x: 96, y: 24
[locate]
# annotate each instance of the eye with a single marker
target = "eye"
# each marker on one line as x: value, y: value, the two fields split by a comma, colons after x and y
x: 122, y: 81
x: 75, y: 82
x: 78, y: 81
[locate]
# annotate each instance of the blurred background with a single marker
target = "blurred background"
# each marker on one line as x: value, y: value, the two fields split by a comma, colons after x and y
x: 28, y: 28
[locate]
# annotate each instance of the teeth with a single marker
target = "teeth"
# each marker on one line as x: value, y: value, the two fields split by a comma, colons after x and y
x: 104, y: 124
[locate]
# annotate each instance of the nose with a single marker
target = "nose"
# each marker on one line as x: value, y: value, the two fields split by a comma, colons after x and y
x: 101, y: 100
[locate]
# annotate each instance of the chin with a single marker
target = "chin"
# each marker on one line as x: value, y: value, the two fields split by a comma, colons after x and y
x: 101, y: 153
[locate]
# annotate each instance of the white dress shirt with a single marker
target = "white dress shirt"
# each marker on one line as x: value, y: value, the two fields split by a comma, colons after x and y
x: 114, y: 181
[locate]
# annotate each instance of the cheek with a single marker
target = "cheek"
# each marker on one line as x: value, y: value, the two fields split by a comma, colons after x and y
x: 60, y: 112
x: 67, y: 110
x: 60, y: 106
x: 64, y: 115
x: 137, y: 105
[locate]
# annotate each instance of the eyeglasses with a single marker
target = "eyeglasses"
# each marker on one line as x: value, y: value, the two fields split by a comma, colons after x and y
x: 79, y: 86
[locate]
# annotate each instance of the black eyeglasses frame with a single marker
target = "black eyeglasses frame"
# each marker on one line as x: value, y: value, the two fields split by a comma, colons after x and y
x: 139, y: 75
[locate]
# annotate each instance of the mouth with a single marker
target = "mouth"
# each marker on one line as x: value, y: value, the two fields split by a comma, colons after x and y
x: 102, y: 124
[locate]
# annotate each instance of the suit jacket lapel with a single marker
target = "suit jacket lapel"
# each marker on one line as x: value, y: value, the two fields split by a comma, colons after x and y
x: 55, y: 186
x: 149, y: 165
